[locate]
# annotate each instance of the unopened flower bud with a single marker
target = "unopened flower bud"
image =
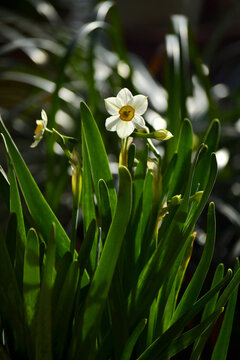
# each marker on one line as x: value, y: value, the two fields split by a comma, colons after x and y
x: 162, y: 134
x: 76, y: 177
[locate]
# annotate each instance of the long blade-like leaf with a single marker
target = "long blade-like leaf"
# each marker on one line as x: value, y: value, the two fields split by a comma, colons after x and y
x: 37, y: 205
x: 97, y: 154
x: 31, y: 275
x: 101, y: 282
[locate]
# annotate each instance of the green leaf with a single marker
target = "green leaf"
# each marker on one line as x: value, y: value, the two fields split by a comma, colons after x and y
x: 11, y: 237
x: 173, y: 285
x: 62, y: 271
x: 183, y: 164
x: 44, y: 323
x: 195, y: 213
x: 31, y: 275
x: 11, y: 304
x: 208, y: 310
x: 142, y: 249
x: 191, y: 293
x: 132, y: 244
x: 86, y: 246
x: 131, y: 156
x: 168, y: 174
x: 102, y: 279
x: 211, y: 139
x: 97, y: 154
x: 104, y: 208
x: 4, y: 187
x: 15, y: 202
x: 164, y: 340
x: 63, y: 311
x: 184, y: 340
x: 128, y: 349
x: 221, y: 348
x: 88, y: 205
x: 37, y: 205
x: 229, y: 289
x: 16, y: 207
x: 162, y: 260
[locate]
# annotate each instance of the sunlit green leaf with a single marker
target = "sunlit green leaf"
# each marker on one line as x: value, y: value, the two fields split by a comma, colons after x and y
x: 101, y: 282
x: 97, y: 154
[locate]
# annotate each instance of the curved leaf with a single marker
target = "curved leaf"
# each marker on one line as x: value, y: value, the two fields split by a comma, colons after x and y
x: 37, y: 205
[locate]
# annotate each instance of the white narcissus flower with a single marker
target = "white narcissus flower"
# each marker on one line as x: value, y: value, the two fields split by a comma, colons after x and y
x: 125, y: 110
x: 40, y: 128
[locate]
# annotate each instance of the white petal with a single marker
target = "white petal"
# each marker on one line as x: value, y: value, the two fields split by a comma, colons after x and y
x: 124, y: 96
x: 111, y: 105
x: 124, y: 128
x: 139, y: 122
x: 39, y: 122
x: 111, y: 122
x: 139, y: 103
x: 35, y: 143
x: 44, y: 117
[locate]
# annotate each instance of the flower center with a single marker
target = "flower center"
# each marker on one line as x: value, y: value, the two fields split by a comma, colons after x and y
x: 126, y: 113
x: 38, y: 129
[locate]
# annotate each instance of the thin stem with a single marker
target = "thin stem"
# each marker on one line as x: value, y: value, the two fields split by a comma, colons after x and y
x: 153, y: 148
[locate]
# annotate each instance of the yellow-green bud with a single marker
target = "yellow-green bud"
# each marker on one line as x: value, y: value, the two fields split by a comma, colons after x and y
x: 76, y: 177
x: 175, y: 200
x: 162, y: 134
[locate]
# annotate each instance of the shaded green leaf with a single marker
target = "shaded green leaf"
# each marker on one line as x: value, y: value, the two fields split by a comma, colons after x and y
x: 104, y: 208
x: 163, y: 341
x: 11, y: 304
x: 44, y: 323
x: 4, y: 187
x: 208, y: 310
x: 128, y: 349
x: 31, y: 275
x: 221, y: 348
x: 187, y: 338
x: 37, y: 205
x: 63, y: 311
x: 11, y: 237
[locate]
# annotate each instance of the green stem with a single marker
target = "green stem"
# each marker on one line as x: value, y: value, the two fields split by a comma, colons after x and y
x: 124, y: 153
x: 153, y: 148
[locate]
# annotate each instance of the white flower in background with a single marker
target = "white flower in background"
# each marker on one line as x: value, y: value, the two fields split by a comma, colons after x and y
x: 125, y: 110
x: 40, y: 128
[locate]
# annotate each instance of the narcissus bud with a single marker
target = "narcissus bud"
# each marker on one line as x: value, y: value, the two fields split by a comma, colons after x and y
x: 162, y: 134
